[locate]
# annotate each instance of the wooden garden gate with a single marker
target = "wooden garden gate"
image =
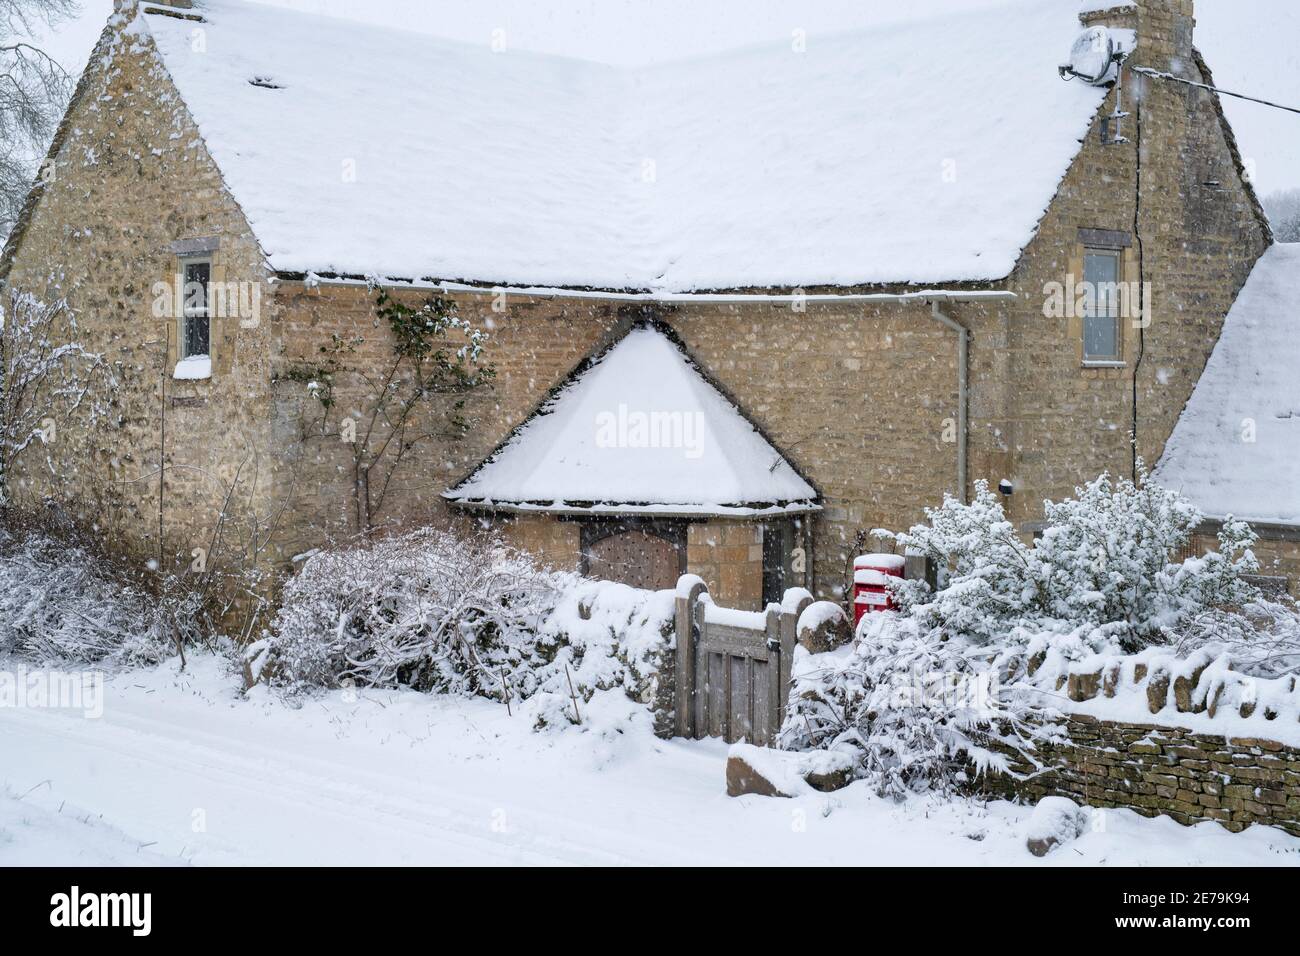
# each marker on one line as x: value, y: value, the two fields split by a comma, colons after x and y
x: 733, y: 667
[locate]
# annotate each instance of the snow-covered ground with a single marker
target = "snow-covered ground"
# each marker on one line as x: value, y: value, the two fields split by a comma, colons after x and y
x: 180, y: 769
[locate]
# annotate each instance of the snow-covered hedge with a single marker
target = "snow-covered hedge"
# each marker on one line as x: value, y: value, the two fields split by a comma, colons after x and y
x: 427, y: 610
x: 910, y: 706
x: 456, y: 613
x: 1104, y: 569
x: 921, y: 692
x: 616, y: 644
x: 62, y: 602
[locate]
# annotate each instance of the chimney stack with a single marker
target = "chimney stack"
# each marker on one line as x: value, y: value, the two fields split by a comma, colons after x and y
x: 1164, y: 29
x: 129, y: 7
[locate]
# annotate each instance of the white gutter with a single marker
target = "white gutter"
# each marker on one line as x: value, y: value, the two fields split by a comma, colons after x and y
x: 724, y: 298
x: 639, y: 511
x: 548, y: 292
x: 963, y: 385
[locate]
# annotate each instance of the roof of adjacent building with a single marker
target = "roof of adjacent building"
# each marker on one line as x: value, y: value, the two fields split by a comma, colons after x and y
x: 914, y: 152
x: 1236, y: 447
x: 638, y: 430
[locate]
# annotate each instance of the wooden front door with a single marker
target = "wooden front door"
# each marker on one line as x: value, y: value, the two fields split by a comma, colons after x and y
x: 637, y: 558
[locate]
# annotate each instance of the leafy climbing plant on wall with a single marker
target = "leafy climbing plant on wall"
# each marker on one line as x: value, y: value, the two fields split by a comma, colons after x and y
x: 383, y: 410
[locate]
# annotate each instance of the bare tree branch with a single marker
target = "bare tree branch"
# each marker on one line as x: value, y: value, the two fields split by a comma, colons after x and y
x: 34, y: 90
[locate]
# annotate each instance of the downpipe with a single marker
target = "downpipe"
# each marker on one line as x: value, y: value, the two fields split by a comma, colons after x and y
x: 963, y: 389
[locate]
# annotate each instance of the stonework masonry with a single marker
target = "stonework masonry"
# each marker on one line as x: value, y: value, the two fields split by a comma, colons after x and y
x: 130, y: 176
x: 1154, y: 769
x: 1198, y: 236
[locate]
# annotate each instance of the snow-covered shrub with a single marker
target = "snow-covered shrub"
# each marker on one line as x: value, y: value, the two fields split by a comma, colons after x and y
x: 1261, y: 638
x: 63, y: 602
x: 912, y: 708
x: 1104, y: 567
x: 428, y: 609
x: 930, y: 691
x: 615, y: 643
x: 457, y: 613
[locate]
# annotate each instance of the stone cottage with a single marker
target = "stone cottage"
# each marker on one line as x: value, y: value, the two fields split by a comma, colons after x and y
x: 742, y: 309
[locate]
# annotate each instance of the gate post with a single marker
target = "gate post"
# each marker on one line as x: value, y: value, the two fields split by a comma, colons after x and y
x: 774, y: 626
x: 689, y: 589
x: 793, y: 603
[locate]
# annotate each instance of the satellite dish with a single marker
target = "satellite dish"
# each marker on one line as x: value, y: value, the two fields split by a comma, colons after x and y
x: 1091, y: 56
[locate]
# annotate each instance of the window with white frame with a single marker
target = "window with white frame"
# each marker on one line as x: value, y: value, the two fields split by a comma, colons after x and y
x: 1102, y: 274
x: 196, y: 321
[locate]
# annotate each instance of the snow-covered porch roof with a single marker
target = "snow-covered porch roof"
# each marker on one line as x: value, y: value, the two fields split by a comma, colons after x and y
x: 638, y: 431
x: 1236, y: 447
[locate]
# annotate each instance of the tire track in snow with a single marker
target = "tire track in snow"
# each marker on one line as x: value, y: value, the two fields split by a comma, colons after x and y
x: 533, y: 837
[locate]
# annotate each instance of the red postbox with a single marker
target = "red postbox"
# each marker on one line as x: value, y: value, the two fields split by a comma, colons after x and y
x: 871, y: 572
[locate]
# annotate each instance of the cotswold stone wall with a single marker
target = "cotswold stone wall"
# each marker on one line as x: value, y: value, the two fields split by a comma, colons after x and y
x: 728, y: 555
x: 1227, y: 769
x: 554, y: 543
x: 857, y: 398
x: 534, y: 344
x: 1153, y: 769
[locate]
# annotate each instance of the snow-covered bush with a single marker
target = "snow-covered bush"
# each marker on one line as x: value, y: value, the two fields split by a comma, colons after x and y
x: 1104, y: 568
x: 911, y: 707
x: 935, y: 689
x: 1261, y: 638
x: 63, y: 602
x: 435, y: 610
x: 615, y: 643
x: 428, y: 609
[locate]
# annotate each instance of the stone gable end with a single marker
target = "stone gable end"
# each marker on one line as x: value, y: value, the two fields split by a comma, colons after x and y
x: 129, y: 186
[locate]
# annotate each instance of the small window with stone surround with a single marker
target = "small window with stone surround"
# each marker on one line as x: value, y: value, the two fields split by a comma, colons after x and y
x: 1103, y: 275
x: 194, y: 339
x: 194, y: 280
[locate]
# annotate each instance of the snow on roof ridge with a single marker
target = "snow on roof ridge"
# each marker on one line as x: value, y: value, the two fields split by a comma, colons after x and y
x: 903, y: 21
x: 638, y: 425
x: 754, y: 168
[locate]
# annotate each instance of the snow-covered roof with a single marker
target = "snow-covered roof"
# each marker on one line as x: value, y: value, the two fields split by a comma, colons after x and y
x: 1236, y: 447
x: 918, y: 151
x: 638, y: 431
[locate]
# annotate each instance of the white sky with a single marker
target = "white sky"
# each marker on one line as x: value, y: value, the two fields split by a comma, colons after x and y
x: 1251, y: 45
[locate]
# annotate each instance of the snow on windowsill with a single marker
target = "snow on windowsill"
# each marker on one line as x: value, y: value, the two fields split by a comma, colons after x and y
x: 193, y: 368
x: 1102, y: 363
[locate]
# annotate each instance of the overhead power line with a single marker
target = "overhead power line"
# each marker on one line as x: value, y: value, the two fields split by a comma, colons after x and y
x: 1147, y: 71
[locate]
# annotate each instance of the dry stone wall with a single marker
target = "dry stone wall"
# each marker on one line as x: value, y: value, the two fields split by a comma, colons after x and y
x: 1156, y: 769
x: 1208, y: 753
